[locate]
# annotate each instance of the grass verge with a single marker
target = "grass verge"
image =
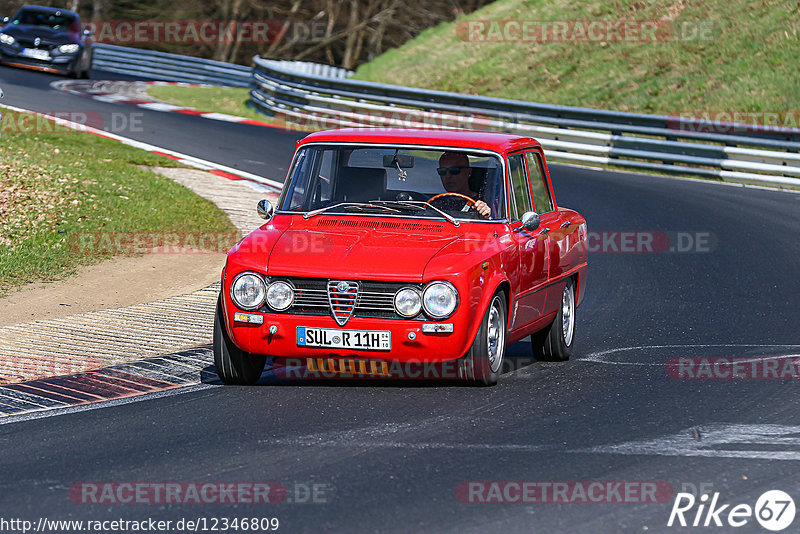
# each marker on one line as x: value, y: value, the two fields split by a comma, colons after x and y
x: 230, y: 100
x: 58, y: 186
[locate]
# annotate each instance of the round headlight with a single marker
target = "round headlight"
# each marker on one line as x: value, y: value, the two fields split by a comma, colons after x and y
x: 280, y: 296
x: 69, y: 48
x: 248, y: 291
x: 6, y: 39
x: 439, y: 299
x: 407, y: 302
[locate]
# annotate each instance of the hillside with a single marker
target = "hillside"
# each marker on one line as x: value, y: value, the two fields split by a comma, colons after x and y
x: 718, y: 55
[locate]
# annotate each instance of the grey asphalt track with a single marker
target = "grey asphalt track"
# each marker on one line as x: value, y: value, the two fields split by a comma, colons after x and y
x: 389, y: 458
x: 260, y: 150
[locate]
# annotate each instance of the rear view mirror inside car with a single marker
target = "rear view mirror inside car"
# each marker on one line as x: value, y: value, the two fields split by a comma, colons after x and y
x: 403, y: 160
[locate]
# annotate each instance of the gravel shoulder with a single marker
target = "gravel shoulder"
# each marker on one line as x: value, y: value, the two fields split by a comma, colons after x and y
x: 128, y: 308
x: 114, y: 283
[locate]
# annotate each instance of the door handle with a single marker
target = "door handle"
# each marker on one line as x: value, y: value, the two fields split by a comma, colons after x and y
x: 566, y: 224
x: 544, y: 231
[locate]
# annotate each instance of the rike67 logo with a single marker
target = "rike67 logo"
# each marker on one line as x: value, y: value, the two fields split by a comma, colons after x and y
x: 774, y: 510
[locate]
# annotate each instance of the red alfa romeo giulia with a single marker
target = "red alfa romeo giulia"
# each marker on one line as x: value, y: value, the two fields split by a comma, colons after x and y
x: 395, y: 250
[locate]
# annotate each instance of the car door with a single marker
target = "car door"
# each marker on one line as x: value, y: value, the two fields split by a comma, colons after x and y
x: 532, y: 246
x: 558, y: 232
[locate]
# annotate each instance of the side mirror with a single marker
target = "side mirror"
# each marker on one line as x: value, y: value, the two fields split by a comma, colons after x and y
x: 530, y: 220
x: 265, y: 209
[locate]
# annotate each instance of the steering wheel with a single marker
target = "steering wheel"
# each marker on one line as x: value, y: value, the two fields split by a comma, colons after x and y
x: 470, y: 201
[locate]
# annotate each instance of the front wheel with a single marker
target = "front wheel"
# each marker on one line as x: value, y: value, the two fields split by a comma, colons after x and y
x: 234, y: 366
x: 484, y: 361
x: 554, y: 343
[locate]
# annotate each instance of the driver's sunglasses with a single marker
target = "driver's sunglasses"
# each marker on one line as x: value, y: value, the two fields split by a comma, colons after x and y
x: 452, y: 170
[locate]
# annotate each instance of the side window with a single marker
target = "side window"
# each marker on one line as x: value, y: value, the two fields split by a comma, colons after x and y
x: 324, y: 186
x: 520, y: 194
x: 541, y: 194
x: 295, y: 195
x: 311, y: 180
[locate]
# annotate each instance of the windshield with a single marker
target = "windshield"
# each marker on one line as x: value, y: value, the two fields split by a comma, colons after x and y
x: 55, y: 20
x: 392, y: 180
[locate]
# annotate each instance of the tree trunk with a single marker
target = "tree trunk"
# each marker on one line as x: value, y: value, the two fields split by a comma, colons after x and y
x: 349, y: 58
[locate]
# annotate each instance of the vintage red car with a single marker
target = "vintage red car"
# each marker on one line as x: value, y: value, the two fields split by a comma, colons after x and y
x: 407, y: 247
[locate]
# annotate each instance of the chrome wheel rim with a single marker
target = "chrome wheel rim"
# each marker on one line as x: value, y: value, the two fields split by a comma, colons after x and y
x: 568, y: 314
x: 495, y: 336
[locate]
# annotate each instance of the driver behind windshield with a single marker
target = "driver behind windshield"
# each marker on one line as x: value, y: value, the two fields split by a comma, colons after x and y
x: 455, y: 171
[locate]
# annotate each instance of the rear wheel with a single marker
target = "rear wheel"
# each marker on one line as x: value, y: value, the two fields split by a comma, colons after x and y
x: 234, y: 366
x: 554, y: 343
x: 484, y: 361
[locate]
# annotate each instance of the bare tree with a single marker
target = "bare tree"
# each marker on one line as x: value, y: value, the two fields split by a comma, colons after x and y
x: 337, y: 32
x: 98, y: 9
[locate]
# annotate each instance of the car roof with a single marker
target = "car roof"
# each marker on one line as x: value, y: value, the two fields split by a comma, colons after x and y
x: 496, y: 141
x: 48, y: 9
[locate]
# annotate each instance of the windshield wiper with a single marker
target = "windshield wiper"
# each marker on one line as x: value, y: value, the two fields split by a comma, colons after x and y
x: 371, y: 207
x: 421, y: 205
x: 397, y: 204
x: 386, y: 205
x: 347, y: 205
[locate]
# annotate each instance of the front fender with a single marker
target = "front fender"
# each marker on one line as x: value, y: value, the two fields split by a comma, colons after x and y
x: 478, y: 268
x: 493, y: 281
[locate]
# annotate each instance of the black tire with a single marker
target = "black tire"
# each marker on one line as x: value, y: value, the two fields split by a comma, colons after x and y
x: 483, y: 364
x: 554, y: 343
x: 234, y: 366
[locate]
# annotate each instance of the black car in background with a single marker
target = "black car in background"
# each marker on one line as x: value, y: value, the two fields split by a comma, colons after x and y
x: 46, y: 38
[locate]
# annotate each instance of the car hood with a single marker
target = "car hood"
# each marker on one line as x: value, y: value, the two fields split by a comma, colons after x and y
x: 48, y: 36
x: 359, y: 253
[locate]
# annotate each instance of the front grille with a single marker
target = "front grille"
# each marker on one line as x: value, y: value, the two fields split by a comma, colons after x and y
x: 374, y: 299
x: 29, y: 42
x: 342, y: 296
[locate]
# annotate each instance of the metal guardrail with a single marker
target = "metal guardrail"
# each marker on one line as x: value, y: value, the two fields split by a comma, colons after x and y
x: 307, y: 67
x: 577, y: 135
x: 168, y: 67
x: 178, y: 68
x: 304, y: 92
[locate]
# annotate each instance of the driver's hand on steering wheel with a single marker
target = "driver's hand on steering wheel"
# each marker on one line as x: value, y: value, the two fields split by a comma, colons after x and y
x: 482, y: 208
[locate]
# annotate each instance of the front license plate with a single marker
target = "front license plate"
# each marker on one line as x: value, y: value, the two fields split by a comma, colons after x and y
x: 34, y: 53
x: 344, y: 339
